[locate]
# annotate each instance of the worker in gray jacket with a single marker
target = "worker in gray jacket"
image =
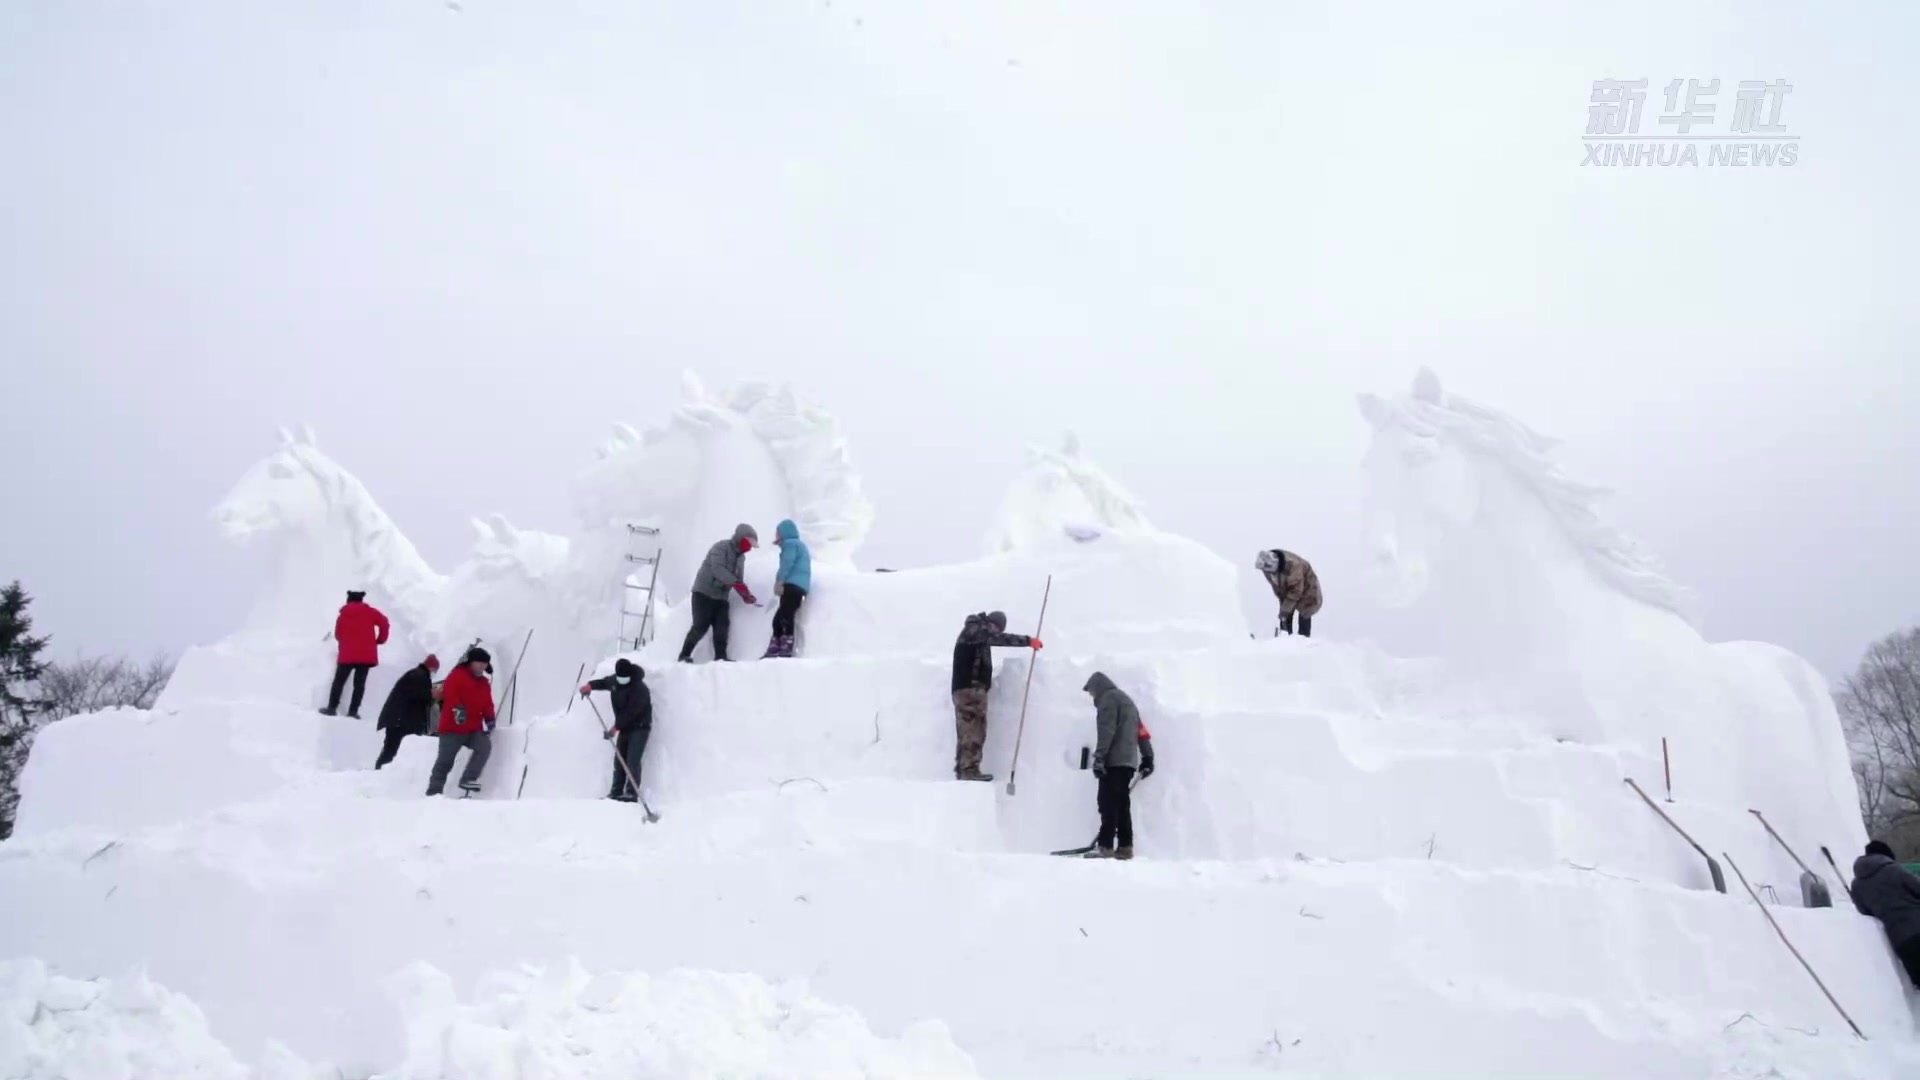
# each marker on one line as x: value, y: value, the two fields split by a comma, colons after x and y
x: 1116, y: 754
x: 1889, y: 892
x: 721, y: 570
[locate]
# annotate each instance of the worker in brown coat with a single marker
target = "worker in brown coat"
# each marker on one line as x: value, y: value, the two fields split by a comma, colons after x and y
x: 1295, y: 585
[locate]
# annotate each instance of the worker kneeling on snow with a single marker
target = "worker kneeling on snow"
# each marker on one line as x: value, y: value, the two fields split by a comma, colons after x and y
x: 466, y: 722
x: 632, y: 724
x: 972, y: 678
x: 1116, y: 754
x: 1889, y: 892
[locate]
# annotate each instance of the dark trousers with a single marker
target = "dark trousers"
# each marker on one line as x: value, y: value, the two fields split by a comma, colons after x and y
x: 630, y: 746
x: 1909, y: 953
x: 790, y: 597
x: 391, y: 745
x: 707, y: 613
x: 1116, y: 807
x: 481, y: 745
x: 1306, y: 622
x: 340, y: 672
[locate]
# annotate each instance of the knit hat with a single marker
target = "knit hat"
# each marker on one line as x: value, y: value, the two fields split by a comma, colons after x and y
x: 480, y: 654
x: 354, y: 596
x: 998, y: 618
x: 432, y: 662
x: 625, y: 668
x: 1881, y: 847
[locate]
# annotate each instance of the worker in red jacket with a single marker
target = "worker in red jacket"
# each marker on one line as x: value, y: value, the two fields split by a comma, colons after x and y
x: 466, y: 721
x: 360, y: 629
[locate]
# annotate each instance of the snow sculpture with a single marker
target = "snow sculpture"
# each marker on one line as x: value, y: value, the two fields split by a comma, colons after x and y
x: 755, y: 454
x: 327, y: 535
x: 1063, y: 494
x: 1503, y: 564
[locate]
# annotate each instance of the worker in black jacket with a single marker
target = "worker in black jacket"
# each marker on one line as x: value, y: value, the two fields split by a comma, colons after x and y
x: 408, y: 709
x: 1889, y: 892
x: 632, y: 723
x: 972, y: 678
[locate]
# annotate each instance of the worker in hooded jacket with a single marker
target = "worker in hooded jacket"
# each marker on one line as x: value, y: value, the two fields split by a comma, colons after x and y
x: 724, y: 568
x: 1116, y: 754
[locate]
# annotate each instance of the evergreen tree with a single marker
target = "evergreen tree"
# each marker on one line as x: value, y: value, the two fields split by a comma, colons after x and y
x: 20, y: 670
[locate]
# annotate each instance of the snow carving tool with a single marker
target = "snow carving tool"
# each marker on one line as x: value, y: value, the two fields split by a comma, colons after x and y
x: 1032, y: 662
x: 632, y: 780
x: 1813, y: 890
x: 1796, y: 952
x: 1836, y: 871
x: 1713, y: 868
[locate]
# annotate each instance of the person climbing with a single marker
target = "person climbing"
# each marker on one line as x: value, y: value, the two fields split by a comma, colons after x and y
x: 721, y: 570
x: 466, y: 722
x: 1295, y: 585
x: 408, y: 709
x: 632, y: 723
x: 972, y: 678
x: 790, y: 584
x: 1116, y: 754
x: 1890, y: 892
x: 360, y: 629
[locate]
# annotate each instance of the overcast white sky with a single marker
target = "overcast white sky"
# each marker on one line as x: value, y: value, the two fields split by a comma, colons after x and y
x: 461, y: 242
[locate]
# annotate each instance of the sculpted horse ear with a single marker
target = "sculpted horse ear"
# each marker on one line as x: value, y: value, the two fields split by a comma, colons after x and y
x: 1426, y: 387
x: 1374, y: 409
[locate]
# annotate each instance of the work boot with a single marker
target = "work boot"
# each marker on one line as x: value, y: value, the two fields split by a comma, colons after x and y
x: 1100, y: 853
x: 1123, y: 852
x: 329, y: 712
x: 973, y: 774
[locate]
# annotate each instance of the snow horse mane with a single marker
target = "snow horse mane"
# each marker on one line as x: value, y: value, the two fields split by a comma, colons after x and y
x: 1430, y: 412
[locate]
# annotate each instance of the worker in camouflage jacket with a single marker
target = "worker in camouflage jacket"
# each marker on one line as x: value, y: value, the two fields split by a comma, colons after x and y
x: 1295, y: 585
x: 972, y: 678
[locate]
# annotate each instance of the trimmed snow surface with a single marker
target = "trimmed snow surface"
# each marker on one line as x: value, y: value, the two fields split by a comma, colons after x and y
x: 1350, y: 862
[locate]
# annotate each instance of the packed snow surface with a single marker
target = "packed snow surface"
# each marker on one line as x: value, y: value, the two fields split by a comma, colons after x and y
x: 1350, y: 862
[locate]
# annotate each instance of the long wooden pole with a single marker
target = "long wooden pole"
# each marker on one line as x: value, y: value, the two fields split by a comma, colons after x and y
x: 1032, y: 662
x: 1796, y: 952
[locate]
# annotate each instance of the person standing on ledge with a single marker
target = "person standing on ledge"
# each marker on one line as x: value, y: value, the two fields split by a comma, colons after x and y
x: 722, y: 569
x: 360, y: 629
x: 972, y: 678
x: 1295, y: 585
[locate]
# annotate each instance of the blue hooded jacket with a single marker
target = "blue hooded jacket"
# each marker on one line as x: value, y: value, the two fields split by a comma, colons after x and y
x: 796, y: 562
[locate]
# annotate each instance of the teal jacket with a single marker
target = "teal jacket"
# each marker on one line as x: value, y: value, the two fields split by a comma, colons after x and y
x: 796, y: 562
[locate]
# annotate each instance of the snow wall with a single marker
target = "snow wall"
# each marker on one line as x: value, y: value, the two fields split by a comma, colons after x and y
x: 1350, y: 862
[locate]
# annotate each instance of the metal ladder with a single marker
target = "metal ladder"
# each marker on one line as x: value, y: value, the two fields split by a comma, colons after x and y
x: 643, y: 548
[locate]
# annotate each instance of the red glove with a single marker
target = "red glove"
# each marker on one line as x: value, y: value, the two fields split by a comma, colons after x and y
x: 585, y: 690
x: 741, y: 588
x: 1036, y: 643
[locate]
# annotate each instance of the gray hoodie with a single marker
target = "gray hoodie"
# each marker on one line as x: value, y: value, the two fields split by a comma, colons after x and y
x: 1116, y: 724
x: 1888, y: 892
x: 724, y: 564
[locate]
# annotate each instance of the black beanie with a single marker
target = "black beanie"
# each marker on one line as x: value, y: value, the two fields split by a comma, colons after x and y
x: 628, y: 668
x: 480, y: 654
x: 355, y: 596
x: 1881, y: 847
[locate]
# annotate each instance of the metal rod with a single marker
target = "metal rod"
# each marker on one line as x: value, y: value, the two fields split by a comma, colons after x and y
x: 1771, y: 921
x: 1032, y: 662
x: 1836, y: 871
x: 1783, y: 844
x: 1713, y: 868
x: 1667, y: 763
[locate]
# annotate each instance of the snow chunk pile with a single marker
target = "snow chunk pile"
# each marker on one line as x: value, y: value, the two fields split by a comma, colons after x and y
x: 532, y: 1024
x: 123, y: 1028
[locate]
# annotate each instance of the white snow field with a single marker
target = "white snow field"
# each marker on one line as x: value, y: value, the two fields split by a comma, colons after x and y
x: 1350, y: 863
